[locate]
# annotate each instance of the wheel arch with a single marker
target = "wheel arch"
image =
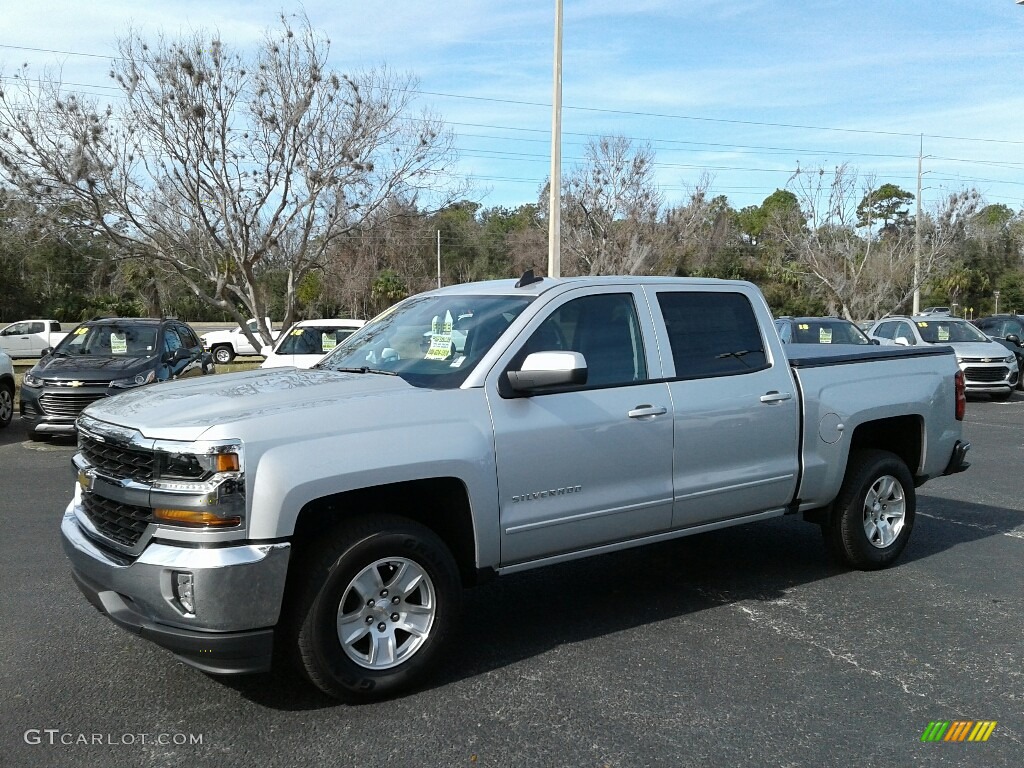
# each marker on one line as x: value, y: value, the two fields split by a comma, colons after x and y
x: 439, y: 503
x: 901, y: 435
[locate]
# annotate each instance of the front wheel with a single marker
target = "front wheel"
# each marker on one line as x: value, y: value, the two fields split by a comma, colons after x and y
x: 223, y: 354
x: 375, y: 608
x: 874, y: 513
x: 6, y: 405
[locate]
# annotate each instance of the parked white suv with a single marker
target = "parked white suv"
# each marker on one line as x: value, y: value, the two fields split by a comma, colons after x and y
x: 6, y: 389
x: 308, y: 341
x: 989, y: 367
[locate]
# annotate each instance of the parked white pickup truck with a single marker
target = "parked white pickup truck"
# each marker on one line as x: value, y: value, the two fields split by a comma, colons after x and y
x: 334, y: 514
x: 30, y: 338
x: 226, y: 345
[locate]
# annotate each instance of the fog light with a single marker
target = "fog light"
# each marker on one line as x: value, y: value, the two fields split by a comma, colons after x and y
x: 183, y: 591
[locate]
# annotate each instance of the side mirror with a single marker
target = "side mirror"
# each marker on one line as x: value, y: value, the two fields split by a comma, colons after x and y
x: 47, y: 350
x: 876, y: 342
x: 901, y: 342
x: 1013, y: 338
x: 549, y: 369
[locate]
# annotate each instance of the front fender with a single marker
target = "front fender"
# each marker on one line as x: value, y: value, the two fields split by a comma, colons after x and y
x: 290, y: 476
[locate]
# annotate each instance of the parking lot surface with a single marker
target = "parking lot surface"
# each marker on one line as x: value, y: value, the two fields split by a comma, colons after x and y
x: 742, y: 647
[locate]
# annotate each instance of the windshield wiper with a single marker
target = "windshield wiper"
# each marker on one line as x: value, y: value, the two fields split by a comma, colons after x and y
x: 363, y: 369
x: 738, y: 355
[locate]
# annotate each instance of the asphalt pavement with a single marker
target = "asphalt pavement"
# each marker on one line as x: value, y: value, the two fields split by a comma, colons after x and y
x: 743, y: 647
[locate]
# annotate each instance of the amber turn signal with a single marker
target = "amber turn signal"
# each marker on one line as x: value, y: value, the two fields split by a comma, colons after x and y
x: 193, y: 517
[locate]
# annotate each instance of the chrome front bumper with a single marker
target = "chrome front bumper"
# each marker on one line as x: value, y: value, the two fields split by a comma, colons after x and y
x: 237, y: 591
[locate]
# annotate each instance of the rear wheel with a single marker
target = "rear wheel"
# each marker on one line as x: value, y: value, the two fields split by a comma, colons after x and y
x: 874, y: 513
x: 375, y: 608
x: 6, y: 404
x: 223, y: 354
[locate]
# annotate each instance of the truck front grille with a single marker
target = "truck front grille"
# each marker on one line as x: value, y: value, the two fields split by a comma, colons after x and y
x: 122, y: 523
x: 117, y: 461
x: 986, y: 375
x: 68, y: 404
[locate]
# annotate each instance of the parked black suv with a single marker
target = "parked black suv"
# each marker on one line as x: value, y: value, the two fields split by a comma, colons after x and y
x: 103, y: 357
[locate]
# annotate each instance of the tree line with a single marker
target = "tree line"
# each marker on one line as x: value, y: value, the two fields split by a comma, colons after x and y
x: 222, y: 187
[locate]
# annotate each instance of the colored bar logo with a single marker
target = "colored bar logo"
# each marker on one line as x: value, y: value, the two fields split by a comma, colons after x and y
x: 958, y: 730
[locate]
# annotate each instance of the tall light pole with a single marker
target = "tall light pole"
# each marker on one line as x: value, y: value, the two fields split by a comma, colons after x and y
x: 555, y: 193
x: 917, y: 234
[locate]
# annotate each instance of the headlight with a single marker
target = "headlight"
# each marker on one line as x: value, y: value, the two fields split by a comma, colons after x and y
x: 31, y: 381
x: 198, y: 484
x: 1009, y: 358
x: 143, y: 378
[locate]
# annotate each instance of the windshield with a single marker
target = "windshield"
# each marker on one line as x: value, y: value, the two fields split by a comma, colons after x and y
x: 430, y: 341
x: 313, y: 340
x: 828, y: 332
x: 111, y: 339
x: 949, y: 331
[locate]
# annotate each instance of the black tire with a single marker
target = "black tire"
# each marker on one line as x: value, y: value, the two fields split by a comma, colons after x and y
x: 223, y: 354
x: 374, y: 555
x: 877, y: 495
x: 6, y: 404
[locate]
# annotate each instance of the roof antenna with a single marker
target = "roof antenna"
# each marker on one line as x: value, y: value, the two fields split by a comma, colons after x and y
x: 528, y: 278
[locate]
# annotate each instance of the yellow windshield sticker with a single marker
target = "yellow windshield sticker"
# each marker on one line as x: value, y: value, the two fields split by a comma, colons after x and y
x: 440, y: 338
x: 804, y: 327
x: 80, y: 331
x: 922, y: 324
x: 118, y: 343
x: 328, y: 342
x: 825, y: 335
x: 297, y: 332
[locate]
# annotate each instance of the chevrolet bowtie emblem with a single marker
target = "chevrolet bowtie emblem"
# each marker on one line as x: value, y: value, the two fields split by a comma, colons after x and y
x: 74, y: 383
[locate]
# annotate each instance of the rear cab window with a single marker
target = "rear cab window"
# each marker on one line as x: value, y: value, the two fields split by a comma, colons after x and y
x: 712, y: 333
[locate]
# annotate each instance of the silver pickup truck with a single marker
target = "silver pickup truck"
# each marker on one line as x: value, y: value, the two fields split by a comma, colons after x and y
x: 333, y: 515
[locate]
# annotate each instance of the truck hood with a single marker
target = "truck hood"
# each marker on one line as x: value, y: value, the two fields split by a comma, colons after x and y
x: 92, y: 367
x: 185, y: 410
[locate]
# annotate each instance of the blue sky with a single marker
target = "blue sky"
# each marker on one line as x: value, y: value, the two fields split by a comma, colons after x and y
x: 743, y: 90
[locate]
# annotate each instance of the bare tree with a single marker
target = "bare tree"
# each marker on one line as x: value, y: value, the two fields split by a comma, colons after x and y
x: 861, y: 273
x: 610, y: 208
x: 217, y: 166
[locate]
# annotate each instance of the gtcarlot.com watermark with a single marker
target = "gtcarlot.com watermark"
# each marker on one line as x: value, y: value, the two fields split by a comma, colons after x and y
x: 56, y: 736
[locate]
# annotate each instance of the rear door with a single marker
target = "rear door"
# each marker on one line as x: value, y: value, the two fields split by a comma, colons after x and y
x: 736, y: 432
x: 591, y: 465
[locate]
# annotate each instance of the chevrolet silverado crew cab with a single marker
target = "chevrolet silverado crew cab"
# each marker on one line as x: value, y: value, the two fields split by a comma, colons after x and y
x: 332, y: 515
x: 30, y: 338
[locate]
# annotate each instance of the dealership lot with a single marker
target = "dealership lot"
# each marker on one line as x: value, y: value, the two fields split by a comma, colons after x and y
x: 740, y: 647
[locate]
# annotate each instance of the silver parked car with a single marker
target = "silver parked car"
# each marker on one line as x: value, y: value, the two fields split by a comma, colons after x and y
x: 989, y: 367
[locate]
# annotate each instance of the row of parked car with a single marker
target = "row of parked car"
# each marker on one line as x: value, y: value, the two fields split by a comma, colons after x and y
x: 989, y: 350
x: 104, y: 356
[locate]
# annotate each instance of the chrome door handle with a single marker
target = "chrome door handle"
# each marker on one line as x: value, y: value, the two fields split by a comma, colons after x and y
x: 647, y: 410
x: 776, y: 397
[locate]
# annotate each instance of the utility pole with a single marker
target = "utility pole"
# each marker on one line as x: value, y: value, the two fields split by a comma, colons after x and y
x: 439, y: 258
x: 555, y: 193
x: 917, y: 233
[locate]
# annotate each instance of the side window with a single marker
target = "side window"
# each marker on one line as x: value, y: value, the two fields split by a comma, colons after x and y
x: 171, y: 340
x: 712, y: 334
x: 37, y: 327
x: 54, y: 327
x: 903, y: 331
x: 18, y: 329
x: 187, y: 337
x: 885, y: 330
x: 605, y: 329
x: 785, y: 331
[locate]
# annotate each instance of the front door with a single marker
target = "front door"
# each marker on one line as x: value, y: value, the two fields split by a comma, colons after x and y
x: 591, y: 465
